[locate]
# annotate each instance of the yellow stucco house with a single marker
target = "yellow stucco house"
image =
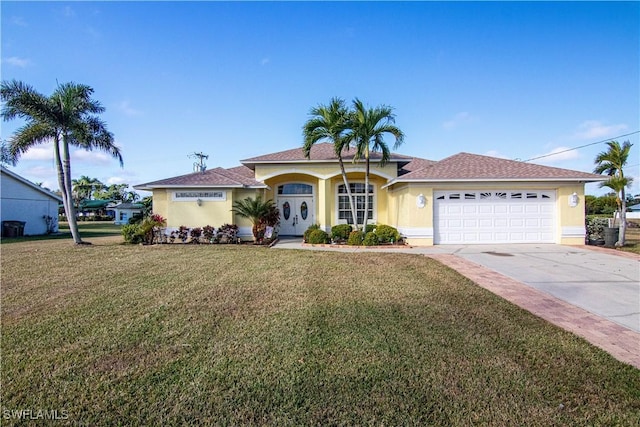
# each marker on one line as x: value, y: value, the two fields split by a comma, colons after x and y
x: 463, y: 199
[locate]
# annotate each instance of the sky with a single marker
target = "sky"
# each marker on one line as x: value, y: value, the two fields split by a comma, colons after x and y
x: 235, y: 80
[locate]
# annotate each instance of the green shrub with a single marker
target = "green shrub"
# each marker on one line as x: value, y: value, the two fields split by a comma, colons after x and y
x: 595, y: 227
x: 132, y: 233
x: 340, y: 231
x: 317, y: 237
x: 309, y: 230
x: 387, y: 234
x: 370, y: 239
x: 370, y: 228
x: 355, y: 238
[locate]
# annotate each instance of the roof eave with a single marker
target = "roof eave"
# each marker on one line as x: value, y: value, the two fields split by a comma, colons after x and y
x: 307, y: 161
x: 147, y: 187
x: 427, y: 180
x: 32, y: 185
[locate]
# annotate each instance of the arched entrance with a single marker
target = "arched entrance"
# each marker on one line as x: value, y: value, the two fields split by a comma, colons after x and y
x: 297, y: 210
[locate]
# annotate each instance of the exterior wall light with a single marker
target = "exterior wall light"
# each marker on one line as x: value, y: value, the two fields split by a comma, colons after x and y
x: 199, y: 202
x: 573, y: 200
x: 421, y: 201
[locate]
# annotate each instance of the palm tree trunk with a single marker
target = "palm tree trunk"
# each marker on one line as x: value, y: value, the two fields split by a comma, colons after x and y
x: 623, y: 219
x: 366, y: 192
x: 354, y: 213
x: 56, y: 153
x: 69, y: 209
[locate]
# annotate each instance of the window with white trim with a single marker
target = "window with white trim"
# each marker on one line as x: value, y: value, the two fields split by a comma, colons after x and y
x: 344, y: 207
x: 295, y: 189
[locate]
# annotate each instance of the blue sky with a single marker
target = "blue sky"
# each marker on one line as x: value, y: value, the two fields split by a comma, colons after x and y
x: 236, y: 79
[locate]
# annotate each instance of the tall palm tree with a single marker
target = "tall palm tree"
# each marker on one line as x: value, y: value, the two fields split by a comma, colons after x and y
x: 329, y: 123
x: 368, y: 128
x: 67, y: 118
x: 612, y: 163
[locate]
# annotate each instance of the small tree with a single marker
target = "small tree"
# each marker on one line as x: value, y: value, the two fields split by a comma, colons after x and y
x: 612, y: 163
x: 260, y: 213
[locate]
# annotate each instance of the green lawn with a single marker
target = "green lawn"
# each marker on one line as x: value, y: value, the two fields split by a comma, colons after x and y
x: 227, y: 335
x: 89, y: 229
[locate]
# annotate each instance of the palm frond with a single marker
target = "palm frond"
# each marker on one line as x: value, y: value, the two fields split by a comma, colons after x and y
x: 29, y: 135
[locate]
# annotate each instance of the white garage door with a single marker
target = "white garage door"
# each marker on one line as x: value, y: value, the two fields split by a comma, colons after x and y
x: 467, y: 217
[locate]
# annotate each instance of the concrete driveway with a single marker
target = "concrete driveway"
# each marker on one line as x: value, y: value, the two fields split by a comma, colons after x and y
x: 603, y: 284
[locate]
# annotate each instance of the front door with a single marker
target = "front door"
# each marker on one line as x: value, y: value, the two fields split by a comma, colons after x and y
x: 296, y: 215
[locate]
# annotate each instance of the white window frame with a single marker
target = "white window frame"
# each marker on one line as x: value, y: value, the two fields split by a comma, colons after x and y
x: 313, y: 190
x: 373, y: 206
x: 195, y: 195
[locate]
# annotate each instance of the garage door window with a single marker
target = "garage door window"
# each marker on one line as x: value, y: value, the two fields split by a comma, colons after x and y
x: 495, y: 195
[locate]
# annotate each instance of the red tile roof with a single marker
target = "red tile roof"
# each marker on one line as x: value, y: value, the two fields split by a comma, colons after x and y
x: 467, y: 167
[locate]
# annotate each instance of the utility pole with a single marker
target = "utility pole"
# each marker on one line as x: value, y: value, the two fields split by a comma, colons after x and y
x: 199, y: 166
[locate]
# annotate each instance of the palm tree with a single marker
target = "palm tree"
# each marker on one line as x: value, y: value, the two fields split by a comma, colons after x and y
x: 612, y: 163
x: 368, y: 127
x: 329, y: 123
x: 67, y: 117
x: 84, y: 187
x: 260, y: 213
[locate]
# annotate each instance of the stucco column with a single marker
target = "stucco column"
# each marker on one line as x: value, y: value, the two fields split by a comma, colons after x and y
x: 323, y: 201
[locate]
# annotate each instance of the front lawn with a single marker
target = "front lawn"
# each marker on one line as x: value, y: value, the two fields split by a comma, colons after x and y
x: 214, y: 334
x: 87, y: 230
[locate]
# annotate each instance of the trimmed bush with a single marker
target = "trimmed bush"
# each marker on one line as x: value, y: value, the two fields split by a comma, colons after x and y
x: 132, y: 233
x: 317, y: 237
x: 387, y: 234
x: 308, y: 231
x: 195, y: 234
x: 370, y: 239
x: 355, y: 238
x: 595, y: 227
x: 208, y: 233
x: 340, y: 231
x: 370, y: 228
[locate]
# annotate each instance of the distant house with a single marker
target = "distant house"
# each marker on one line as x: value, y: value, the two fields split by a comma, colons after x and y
x: 123, y: 212
x: 463, y: 199
x: 25, y: 202
x: 89, y: 208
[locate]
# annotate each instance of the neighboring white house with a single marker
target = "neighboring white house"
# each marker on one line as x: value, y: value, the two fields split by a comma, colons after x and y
x: 21, y: 200
x: 633, y: 212
x: 125, y: 211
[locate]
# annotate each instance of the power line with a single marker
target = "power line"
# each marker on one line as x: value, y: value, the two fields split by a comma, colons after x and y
x: 582, y: 146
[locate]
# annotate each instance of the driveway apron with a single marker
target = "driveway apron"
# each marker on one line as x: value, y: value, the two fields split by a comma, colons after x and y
x: 603, y: 284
